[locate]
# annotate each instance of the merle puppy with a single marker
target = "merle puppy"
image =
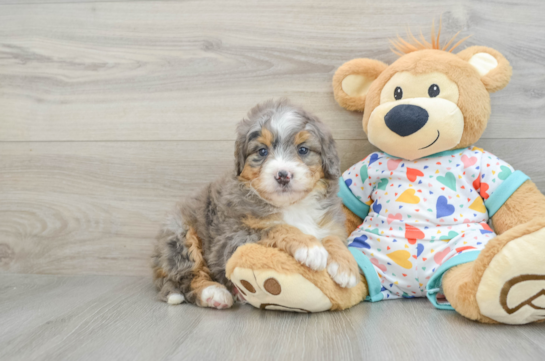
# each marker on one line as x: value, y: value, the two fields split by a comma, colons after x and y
x: 282, y: 193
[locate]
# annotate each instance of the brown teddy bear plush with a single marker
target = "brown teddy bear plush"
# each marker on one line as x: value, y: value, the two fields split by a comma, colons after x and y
x: 418, y: 210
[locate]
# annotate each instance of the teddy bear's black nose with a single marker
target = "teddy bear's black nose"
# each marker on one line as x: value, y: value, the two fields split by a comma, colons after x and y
x: 406, y: 119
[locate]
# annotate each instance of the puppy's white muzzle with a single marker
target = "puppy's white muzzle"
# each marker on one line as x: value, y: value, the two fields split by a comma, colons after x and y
x: 284, y: 181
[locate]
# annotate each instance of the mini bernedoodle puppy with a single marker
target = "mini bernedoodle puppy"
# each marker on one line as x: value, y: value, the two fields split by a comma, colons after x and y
x: 282, y: 193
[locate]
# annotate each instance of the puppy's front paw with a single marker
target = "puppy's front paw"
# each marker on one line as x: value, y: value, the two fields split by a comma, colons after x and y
x: 342, y: 275
x: 314, y: 257
x: 216, y: 297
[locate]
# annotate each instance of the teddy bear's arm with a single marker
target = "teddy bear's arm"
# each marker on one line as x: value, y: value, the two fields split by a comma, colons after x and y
x: 527, y: 203
x: 352, y: 221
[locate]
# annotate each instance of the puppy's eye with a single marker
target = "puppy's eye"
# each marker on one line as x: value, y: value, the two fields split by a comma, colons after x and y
x: 398, y: 93
x: 433, y: 90
x: 263, y: 152
x: 303, y: 151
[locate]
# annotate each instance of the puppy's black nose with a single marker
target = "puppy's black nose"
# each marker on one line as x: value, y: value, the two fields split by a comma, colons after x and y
x: 406, y: 119
x: 283, y: 177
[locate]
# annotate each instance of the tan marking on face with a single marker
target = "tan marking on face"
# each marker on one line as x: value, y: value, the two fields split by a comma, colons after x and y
x: 201, y: 273
x: 318, y: 183
x: 301, y: 137
x: 249, y: 173
x: 317, y: 173
x: 266, y: 137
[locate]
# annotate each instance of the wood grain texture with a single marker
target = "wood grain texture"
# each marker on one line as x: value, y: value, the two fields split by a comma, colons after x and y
x: 95, y: 207
x: 117, y: 318
x: 189, y: 70
x: 113, y: 110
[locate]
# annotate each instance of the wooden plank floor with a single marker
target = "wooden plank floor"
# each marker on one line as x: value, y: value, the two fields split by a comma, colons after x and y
x: 117, y: 318
x: 112, y: 110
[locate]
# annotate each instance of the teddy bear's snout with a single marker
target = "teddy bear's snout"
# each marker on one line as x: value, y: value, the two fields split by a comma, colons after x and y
x: 406, y: 119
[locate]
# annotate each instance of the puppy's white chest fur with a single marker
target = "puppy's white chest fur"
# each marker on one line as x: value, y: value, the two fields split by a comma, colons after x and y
x: 306, y: 215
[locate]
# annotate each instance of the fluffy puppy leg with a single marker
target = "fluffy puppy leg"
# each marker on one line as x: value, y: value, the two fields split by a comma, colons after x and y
x: 304, y: 248
x: 181, y: 273
x: 341, y: 265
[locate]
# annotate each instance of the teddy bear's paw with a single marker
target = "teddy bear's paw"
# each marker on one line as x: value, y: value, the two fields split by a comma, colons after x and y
x: 216, y: 297
x: 342, y: 275
x: 271, y: 290
x: 314, y: 257
x: 512, y: 288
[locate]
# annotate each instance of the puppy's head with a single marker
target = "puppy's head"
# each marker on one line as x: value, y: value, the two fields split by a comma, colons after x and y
x: 283, y: 153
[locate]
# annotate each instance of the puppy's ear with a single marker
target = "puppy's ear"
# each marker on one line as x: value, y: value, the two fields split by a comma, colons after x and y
x: 494, y: 69
x: 240, y: 148
x: 352, y: 80
x: 331, y: 163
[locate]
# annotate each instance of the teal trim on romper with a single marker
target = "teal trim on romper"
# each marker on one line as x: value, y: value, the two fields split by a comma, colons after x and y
x: 371, y: 275
x: 434, y: 284
x: 439, y: 154
x: 349, y: 199
x: 504, y: 191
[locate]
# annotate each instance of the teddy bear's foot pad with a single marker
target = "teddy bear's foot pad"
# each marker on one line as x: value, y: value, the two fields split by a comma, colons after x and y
x: 270, y: 290
x: 512, y: 289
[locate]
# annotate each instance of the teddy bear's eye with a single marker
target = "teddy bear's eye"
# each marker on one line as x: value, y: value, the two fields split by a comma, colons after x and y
x: 398, y: 93
x: 433, y: 90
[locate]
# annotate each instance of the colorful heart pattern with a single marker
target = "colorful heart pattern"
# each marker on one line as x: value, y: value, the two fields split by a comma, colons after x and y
x: 363, y: 173
x: 505, y: 172
x: 409, y: 197
x: 449, y: 236
x: 413, y: 173
x: 424, y: 212
x: 449, y: 180
x: 412, y: 234
x: 443, y: 208
x: 401, y: 258
x: 360, y: 242
x: 383, y: 183
x: 478, y: 205
x: 376, y: 263
x: 393, y: 163
x: 468, y: 161
x: 394, y: 217
x: 440, y: 256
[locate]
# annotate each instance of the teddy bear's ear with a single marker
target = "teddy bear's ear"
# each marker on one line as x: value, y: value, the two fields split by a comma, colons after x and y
x: 494, y: 69
x: 352, y: 81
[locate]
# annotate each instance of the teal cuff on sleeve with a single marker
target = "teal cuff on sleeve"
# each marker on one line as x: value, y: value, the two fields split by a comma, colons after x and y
x: 371, y: 276
x: 349, y: 199
x: 436, y: 280
x: 504, y: 191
